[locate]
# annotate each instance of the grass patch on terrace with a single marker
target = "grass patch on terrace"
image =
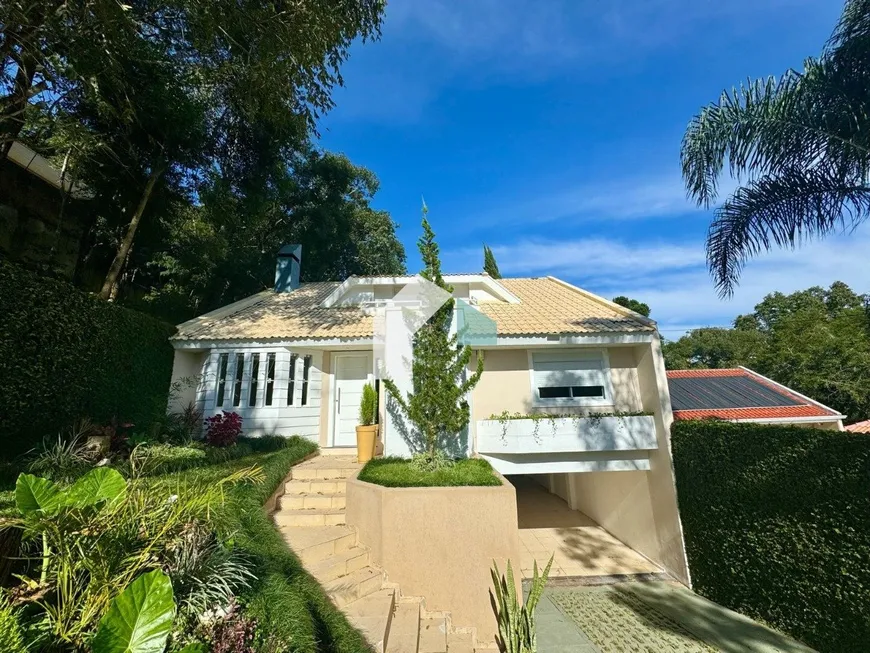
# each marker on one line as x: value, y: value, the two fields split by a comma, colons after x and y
x: 400, y: 472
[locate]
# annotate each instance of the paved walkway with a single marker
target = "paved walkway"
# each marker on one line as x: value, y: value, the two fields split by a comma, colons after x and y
x: 579, y: 546
x: 633, y: 617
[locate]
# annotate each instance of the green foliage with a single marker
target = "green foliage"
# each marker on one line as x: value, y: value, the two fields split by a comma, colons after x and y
x: 62, y: 459
x: 437, y: 407
x: 489, y: 264
x: 139, y: 619
x: 11, y: 632
x: 368, y: 407
x: 632, y: 305
x: 800, y: 142
x: 816, y: 341
x: 400, y: 472
x: 775, y: 522
x: 68, y: 355
x: 517, y: 630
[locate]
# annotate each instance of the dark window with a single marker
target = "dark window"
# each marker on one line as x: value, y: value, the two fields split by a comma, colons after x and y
x: 559, y: 392
x: 291, y: 387
x: 237, y: 383
x: 306, y: 368
x: 587, y: 391
x: 255, y: 372
x: 270, y: 378
x: 223, y: 359
x: 571, y: 392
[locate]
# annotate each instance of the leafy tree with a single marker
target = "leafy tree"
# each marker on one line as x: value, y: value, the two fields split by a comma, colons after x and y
x: 714, y: 348
x: 632, y: 304
x: 802, y: 143
x: 489, y: 264
x: 437, y: 406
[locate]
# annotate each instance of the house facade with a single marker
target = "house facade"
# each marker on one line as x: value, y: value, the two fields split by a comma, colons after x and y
x: 574, y: 390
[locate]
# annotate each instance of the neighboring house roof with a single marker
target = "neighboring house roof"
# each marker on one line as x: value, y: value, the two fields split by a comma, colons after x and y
x: 547, y: 306
x: 39, y: 166
x: 859, y: 427
x: 740, y: 394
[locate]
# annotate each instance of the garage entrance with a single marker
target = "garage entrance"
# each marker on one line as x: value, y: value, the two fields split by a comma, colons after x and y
x: 579, y: 546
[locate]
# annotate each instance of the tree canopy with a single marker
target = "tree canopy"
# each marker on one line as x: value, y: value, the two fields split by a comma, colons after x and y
x: 632, y: 304
x: 194, y: 123
x: 816, y: 341
x: 799, y: 144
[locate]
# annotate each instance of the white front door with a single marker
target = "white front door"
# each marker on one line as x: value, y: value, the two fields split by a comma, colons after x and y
x: 351, y: 374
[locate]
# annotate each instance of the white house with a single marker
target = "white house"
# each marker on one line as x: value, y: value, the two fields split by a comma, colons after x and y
x: 293, y: 360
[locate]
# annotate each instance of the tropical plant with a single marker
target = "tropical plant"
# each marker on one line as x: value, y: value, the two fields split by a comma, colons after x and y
x: 11, y: 632
x: 517, y: 631
x: 437, y: 407
x: 65, y: 458
x: 230, y: 632
x: 139, y: 619
x: 802, y: 145
x: 223, y: 429
x: 489, y: 264
x: 101, y: 533
x: 368, y: 406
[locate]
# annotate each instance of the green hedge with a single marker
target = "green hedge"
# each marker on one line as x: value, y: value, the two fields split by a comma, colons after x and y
x: 66, y: 355
x: 777, y: 526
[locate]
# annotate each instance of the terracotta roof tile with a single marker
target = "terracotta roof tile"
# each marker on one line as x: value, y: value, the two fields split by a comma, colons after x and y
x: 547, y: 306
x: 777, y: 412
x: 859, y: 427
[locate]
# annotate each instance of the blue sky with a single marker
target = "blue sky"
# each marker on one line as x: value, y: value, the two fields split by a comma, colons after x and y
x: 550, y: 130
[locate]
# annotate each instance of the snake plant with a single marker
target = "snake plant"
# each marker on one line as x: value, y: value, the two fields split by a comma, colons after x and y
x: 516, y: 622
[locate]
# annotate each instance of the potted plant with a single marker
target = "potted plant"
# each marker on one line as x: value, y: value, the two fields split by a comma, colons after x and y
x: 367, y: 431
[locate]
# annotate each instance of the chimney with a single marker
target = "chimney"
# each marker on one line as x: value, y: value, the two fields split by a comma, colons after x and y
x: 288, y: 268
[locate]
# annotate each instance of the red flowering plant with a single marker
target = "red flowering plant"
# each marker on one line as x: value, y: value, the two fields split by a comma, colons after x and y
x: 223, y: 429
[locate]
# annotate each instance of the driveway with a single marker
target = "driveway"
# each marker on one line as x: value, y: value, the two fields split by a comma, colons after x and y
x: 647, y: 617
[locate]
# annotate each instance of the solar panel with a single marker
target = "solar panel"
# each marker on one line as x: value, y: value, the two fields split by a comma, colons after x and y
x: 700, y: 393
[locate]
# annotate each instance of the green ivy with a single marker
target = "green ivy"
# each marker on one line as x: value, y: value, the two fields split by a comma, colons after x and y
x: 67, y: 355
x: 777, y: 525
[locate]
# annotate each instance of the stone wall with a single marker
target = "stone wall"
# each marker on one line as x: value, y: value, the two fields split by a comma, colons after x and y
x: 32, y: 231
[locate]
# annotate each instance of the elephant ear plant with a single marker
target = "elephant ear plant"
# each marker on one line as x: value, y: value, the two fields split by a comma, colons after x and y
x: 516, y: 622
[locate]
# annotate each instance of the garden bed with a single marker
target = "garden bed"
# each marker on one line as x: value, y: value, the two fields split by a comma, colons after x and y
x: 289, y: 607
x: 400, y: 472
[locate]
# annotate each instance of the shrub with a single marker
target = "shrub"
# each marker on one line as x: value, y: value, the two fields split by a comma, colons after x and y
x: 368, y: 407
x: 223, y: 429
x: 68, y: 355
x: 776, y: 525
x: 401, y: 472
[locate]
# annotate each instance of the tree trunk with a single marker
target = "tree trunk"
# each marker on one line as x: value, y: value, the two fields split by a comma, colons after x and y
x: 124, y: 248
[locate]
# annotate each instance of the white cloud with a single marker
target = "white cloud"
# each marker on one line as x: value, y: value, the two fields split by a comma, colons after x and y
x: 672, y: 278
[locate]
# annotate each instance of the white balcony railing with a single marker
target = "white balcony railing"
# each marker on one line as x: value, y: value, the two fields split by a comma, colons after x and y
x: 566, y: 434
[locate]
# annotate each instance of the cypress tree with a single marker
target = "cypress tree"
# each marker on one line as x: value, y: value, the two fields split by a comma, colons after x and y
x: 489, y: 264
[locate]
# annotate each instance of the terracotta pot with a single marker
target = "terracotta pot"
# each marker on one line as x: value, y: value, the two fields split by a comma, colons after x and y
x: 366, y: 436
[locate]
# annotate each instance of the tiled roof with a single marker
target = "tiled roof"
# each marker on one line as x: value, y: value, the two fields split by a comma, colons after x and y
x: 737, y: 394
x: 547, y: 306
x: 859, y: 427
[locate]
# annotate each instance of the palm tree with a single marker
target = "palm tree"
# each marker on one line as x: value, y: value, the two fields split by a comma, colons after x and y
x: 800, y: 147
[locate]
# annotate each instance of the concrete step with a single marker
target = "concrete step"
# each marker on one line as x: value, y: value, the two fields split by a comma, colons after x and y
x: 356, y: 585
x: 340, y: 564
x: 372, y: 615
x: 339, y: 470
x: 312, y: 501
x: 328, y: 517
x: 319, y: 543
x: 316, y: 486
x: 404, y: 635
x: 433, y: 635
x: 460, y: 642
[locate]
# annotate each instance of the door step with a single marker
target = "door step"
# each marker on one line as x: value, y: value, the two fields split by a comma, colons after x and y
x: 405, y: 628
x: 372, y: 615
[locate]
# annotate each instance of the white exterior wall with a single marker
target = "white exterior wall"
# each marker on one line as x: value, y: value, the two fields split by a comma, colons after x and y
x: 279, y: 418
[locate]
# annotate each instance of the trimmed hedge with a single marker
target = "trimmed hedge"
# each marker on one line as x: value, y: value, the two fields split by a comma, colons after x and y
x: 66, y: 355
x: 777, y: 526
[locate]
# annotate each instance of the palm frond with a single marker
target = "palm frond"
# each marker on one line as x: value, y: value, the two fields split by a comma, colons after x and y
x: 853, y: 29
x: 781, y: 210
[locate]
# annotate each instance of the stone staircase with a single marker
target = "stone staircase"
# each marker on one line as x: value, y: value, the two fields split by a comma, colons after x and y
x: 310, y: 516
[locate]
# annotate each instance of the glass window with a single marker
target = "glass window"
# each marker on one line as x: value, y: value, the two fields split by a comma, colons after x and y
x: 255, y: 373
x: 565, y: 377
x: 223, y: 360
x: 237, y: 381
x: 306, y: 368
x: 270, y: 378
x: 291, y: 387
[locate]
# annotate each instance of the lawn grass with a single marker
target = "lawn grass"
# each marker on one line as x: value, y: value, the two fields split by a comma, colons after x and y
x: 398, y: 472
x: 285, y: 600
